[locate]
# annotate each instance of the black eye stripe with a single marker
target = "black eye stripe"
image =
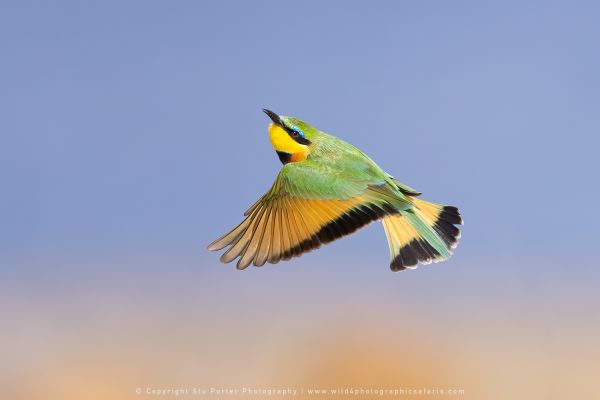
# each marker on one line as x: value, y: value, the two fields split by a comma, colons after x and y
x: 297, y: 136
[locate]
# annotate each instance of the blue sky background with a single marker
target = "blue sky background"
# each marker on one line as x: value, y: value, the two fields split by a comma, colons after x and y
x: 132, y: 136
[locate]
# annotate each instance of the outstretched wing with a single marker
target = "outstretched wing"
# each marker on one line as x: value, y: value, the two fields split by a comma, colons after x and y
x: 308, y: 205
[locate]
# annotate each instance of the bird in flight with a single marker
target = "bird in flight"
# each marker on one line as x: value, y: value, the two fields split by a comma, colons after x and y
x: 328, y: 189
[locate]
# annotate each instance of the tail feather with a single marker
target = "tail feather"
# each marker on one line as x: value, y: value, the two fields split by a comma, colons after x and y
x: 424, y: 235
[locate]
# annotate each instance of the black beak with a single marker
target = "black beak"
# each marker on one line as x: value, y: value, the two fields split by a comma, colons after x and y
x: 274, y: 117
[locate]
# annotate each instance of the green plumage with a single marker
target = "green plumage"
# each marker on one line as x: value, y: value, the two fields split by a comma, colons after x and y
x: 340, y: 189
x: 336, y: 169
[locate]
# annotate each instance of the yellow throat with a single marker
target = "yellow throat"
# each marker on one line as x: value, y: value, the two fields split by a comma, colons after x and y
x: 282, y: 142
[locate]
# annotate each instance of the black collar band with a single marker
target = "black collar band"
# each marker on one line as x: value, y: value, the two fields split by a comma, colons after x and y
x: 284, y: 157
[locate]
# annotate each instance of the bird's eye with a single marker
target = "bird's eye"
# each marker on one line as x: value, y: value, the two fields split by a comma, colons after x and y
x: 295, y: 134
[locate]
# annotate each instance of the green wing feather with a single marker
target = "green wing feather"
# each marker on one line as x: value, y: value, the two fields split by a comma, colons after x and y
x: 311, y: 203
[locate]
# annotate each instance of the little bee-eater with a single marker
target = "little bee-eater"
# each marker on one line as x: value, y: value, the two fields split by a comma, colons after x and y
x: 327, y: 189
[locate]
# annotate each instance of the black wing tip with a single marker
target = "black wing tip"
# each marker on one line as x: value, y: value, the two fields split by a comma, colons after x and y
x: 346, y: 224
x: 351, y: 221
x: 396, y: 266
x: 451, y: 214
x: 445, y: 226
x: 417, y: 251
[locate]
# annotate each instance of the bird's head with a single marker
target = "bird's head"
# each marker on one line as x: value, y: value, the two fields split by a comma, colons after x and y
x: 291, y: 138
